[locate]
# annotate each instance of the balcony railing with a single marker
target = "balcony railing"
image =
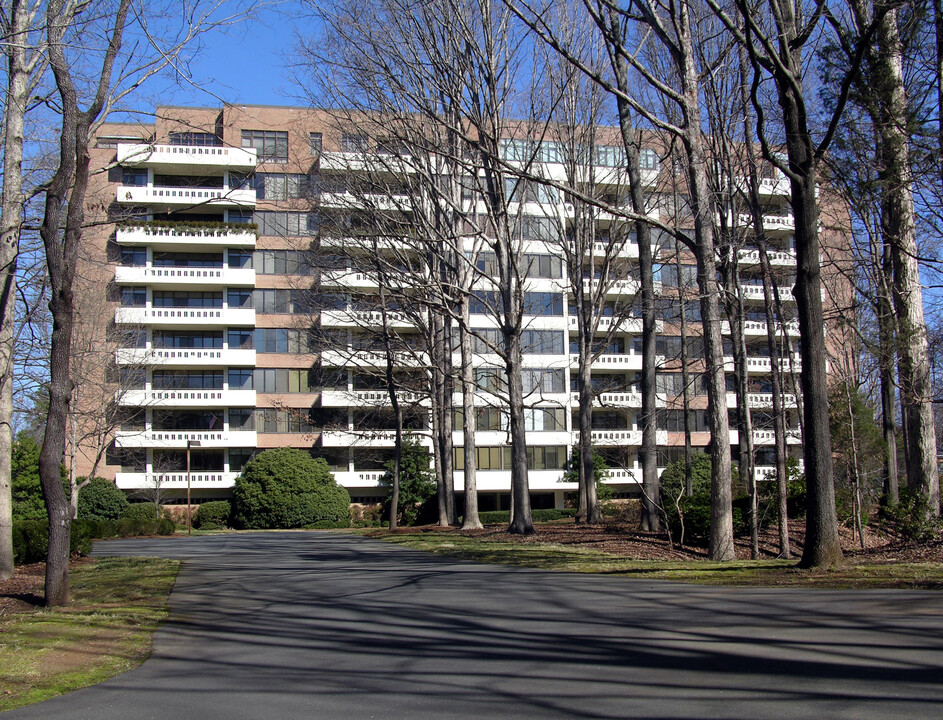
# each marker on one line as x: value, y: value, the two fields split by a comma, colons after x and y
x: 218, y: 197
x: 204, y: 156
x: 180, y: 438
x: 184, y: 316
x: 187, y: 398
x: 222, y: 276
x: 185, y: 357
x: 186, y: 236
x: 143, y: 481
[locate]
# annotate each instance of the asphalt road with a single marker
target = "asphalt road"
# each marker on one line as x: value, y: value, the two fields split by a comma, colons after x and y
x: 315, y: 625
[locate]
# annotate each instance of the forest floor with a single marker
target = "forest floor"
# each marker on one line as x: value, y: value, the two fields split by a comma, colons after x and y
x: 887, y: 560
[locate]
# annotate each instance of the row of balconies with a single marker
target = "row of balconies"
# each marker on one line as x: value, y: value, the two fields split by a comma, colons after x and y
x: 200, y: 317
x: 185, y: 276
x: 186, y: 357
x: 185, y: 197
x: 185, y: 238
x: 487, y: 480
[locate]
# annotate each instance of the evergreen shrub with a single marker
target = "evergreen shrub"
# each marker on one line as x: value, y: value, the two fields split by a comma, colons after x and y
x: 213, y: 513
x: 287, y: 488
x: 101, y: 500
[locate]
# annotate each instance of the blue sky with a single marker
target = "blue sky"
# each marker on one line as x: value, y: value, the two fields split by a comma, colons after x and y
x: 247, y: 63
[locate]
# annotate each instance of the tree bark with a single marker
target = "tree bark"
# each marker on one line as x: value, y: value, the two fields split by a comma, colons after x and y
x: 11, y: 218
x: 899, y: 225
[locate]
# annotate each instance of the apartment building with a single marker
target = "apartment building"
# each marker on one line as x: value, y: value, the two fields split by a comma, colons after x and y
x: 221, y: 284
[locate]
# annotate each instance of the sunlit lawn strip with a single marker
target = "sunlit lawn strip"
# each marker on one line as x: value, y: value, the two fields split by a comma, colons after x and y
x: 759, y: 573
x: 118, y: 604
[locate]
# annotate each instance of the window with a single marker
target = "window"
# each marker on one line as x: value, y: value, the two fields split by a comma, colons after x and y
x: 133, y: 257
x: 271, y: 145
x: 241, y: 419
x: 315, y: 143
x: 183, y: 298
x: 239, y: 338
x: 538, y: 228
x: 490, y: 380
x: 542, y: 380
x: 240, y: 379
x: 239, y: 298
x: 281, y: 380
x: 240, y: 258
x: 133, y: 297
x: 284, y: 224
x: 544, y: 419
x: 134, y: 177
x: 194, y: 139
x: 188, y: 259
x: 487, y: 341
x: 280, y: 186
x: 491, y: 419
x: 188, y: 339
x: 546, y: 458
x: 353, y: 142
x: 282, y: 262
x: 543, y: 304
x: 542, y: 342
x: 648, y: 159
x: 181, y: 380
x: 239, y: 217
x: 542, y: 266
x: 610, y: 156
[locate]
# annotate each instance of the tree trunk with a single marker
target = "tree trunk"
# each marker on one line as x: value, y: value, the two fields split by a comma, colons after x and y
x: 471, y: 521
x: 11, y: 217
x: 720, y: 541
x: 648, y: 453
x: 891, y: 495
x: 898, y: 224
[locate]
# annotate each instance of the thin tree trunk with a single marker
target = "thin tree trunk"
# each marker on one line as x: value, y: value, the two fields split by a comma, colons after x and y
x: 471, y: 520
x: 11, y: 218
x: 891, y: 494
x: 898, y: 216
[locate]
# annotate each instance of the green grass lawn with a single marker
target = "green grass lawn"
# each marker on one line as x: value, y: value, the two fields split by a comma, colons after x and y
x: 117, y: 605
x: 757, y: 573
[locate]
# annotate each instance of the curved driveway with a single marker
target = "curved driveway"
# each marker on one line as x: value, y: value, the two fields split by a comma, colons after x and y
x: 316, y: 625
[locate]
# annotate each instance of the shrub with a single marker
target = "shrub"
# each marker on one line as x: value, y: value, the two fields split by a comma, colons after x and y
x: 166, y: 526
x: 101, y: 500
x: 140, y: 511
x: 31, y: 540
x: 490, y: 517
x: 416, y: 484
x: 213, y: 513
x: 913, y: 518
x: 287, y: 488
x: 328, y: 525
x: 28, y: 503
x: 571, y: 474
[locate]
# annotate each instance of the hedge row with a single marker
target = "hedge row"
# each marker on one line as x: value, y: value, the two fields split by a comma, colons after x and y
x: 31, y: 537
x: 544, y: 515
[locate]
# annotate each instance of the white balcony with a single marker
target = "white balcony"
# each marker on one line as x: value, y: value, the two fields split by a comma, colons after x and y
x: 185, y: 276
x: 755, y: 292
x: 622, y: 324
x: 612, y: 362
x: 192, y: 317
x: 177, y: 156
x: 372, y: 360
x: 627, y: 250
x: 169, y: 439
x: 143, y: 481
x: 761, y: 401
x: 186, y: 357
x: 187, y: 398
x: 764, y: 364
x: 358, y: 478
x: 184, y: 197
x: 767, y: 437
x: 366, y: 438
x: 363, y: 319
x: 756, y: 328
x: 186, y: 238
x: 364, y: 398
x: 612, y: 400
x: 777, y: 258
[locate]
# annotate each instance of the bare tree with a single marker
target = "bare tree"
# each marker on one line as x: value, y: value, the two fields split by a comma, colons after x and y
x: 25, y: 61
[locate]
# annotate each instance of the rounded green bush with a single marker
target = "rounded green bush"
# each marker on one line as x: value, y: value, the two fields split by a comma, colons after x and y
x: 214, y: 513
x: 287, y: 488
x: 140, y: 511
x: 166, y: 526
x: 101, y: 500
